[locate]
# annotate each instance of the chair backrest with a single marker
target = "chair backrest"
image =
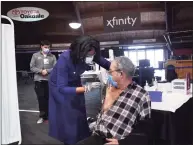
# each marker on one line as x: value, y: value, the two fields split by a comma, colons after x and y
x: 147, y: 74
x: 171, y: 73
x: 143, y: 133
x: 144, y: 62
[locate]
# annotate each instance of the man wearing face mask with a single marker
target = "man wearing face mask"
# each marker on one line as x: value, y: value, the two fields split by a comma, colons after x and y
x: 67, y: 112
x: 42, y: 64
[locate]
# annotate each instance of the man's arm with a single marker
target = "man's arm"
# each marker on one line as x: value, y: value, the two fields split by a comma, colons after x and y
x: 33, y: 67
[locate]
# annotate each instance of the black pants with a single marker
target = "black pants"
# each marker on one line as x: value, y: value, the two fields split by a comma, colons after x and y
x: 42, y: 92
x: 93, y: 140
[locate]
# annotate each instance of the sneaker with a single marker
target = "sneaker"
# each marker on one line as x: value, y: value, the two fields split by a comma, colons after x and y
x: 40, y: 120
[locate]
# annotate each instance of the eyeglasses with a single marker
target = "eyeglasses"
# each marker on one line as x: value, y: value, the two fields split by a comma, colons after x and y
x: 110, y: 71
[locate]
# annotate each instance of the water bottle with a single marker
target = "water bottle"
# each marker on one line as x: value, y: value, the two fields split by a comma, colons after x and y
x: 155, y: 84
x: 146, y: 86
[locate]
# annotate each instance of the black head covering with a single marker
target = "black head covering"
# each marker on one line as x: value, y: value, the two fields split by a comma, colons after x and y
x: 81, y: 46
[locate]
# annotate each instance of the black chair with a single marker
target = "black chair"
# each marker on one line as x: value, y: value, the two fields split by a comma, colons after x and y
x: 171, y: 73
x: 144, y: 63
x: 142, y: 134
x: 145, y: 74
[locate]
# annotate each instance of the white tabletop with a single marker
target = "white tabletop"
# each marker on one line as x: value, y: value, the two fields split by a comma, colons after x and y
x: 170, y: 102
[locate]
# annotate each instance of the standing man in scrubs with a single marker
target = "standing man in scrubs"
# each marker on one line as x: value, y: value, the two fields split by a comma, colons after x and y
x: 42, y: 64
x: 67, y: 112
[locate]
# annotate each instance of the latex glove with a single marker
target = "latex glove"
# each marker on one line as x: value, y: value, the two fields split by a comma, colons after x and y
x: 91, y: 86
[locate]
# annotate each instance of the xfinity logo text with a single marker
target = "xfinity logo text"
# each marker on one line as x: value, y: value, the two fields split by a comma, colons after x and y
x: 128, y: 20
x: 121, y: 21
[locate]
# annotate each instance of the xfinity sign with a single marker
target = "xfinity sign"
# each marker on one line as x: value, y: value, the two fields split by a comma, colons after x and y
x: 115, y: 21
x: 121, y: 21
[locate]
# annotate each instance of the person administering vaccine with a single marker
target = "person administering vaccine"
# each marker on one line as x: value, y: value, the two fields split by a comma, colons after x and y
x: 67, y: 112
x: 42, y: 64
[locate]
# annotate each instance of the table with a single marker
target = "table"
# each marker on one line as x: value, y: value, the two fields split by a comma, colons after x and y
x: 171, y: 103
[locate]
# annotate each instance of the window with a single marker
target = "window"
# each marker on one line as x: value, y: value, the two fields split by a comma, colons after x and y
x: 133, y: 57
x: 140, y: 54
x: 154, y: 55
x: 160, y: 73
x: 126, y: 53
x: 159, y: 56
x: 150, y: 55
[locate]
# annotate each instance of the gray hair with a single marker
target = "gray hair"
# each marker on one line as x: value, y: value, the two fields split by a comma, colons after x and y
x: 126, y: 65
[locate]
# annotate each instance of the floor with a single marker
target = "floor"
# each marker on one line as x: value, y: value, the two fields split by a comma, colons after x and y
x: 33, y: 133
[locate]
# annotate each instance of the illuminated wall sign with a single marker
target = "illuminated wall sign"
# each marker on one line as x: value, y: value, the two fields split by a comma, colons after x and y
x: 121, y: 21
x: 28, y: 14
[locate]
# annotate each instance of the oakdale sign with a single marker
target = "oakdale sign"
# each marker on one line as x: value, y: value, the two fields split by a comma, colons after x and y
x: 121, y: 21
x: 28, y: 14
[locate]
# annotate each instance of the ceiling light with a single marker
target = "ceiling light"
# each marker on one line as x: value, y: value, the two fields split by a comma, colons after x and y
x: 136, y: 47
x: 74, y: 25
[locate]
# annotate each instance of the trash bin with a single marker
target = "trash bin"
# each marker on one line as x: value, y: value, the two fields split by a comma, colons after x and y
x: 92, y: 98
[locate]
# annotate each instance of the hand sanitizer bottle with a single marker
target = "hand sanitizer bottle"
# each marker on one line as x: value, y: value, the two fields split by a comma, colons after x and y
x: 155, y: 84
x: 146, y: 86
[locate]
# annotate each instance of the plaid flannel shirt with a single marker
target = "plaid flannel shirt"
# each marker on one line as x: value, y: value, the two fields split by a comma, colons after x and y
x: 132, y: 105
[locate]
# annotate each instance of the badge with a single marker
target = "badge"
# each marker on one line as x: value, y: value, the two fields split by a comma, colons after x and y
x: 46, y: 61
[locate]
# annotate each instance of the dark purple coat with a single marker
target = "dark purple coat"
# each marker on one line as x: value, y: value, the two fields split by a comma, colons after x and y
x: 67, y: 112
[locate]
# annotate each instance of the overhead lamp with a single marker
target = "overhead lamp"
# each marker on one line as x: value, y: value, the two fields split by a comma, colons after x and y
x: 74, y: 25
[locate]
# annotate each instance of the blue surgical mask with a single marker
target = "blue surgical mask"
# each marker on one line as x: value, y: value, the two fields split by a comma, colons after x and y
x: 112, y: 82
x: 46, y: 51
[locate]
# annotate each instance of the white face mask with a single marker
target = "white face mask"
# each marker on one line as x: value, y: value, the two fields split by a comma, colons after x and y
x: 89, y: 59
x: 46, y: 50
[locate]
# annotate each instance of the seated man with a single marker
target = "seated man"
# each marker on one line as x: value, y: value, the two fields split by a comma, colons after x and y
x: 126, y: 105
